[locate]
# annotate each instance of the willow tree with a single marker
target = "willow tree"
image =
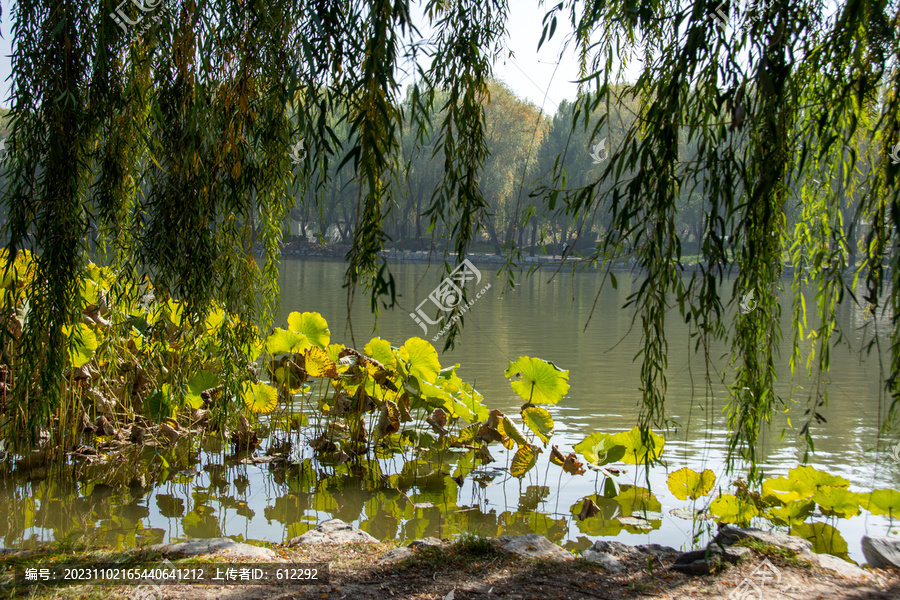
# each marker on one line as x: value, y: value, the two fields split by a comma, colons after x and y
x: 162, y: 133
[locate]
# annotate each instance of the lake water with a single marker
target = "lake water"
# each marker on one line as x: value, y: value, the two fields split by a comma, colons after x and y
x: 205, y: 496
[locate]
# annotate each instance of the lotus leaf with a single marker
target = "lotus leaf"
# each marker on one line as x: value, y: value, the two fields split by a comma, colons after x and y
x: 541, y: 381
x: 837, y: 501
x: 318, y: 364
x: 509, y: 429
x: 882, y: 502
x: 728, y: 508
x: 600, y: 449
x: 82, y: 344
x: 825, y: 538
x: 260, y: 398
x: 198, y: 384
x: 420, y: 359
x: 816, y: 478
x: 637, y: 451
x: 786, y: 490
x: 283, y: 341
x: 686, y: 483
x: 381, y: 351
x: 539, y: 421
x: 794, y: 510
x: 524, y: 459
x: 312, y: 325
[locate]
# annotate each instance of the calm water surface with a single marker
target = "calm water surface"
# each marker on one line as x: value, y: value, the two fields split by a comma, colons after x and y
x: 206, y: 496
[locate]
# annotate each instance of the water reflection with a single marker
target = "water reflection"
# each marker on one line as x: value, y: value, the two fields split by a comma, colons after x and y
x: 197, y: 490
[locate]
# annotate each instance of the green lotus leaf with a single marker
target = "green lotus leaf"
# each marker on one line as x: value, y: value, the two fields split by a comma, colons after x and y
x: 159, y: 403
x: 600, y: 449
x: 467, y: 402
x: 794, y: 510
x: 381, y: 351
x: 523, y: 460
x: 283, y: 341
x: 214, y: 321
x: 421, y: 359
x: 882, y: 502
x: 259, y: 397
x: 198, y: 384
x: 686, y: 483
x: 731, y: 509
x: 539, y: 421
x: 541, y: 382
x: 312, y: 325
x: 815, y: 478
x: 82, y: 344
x: 333, y: 351
x: 786, y: 490
x: 825, y: 538
x: 637, y: 451
x: 837, y: 501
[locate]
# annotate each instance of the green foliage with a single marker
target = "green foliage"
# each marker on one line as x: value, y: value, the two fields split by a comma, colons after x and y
x: 686, y: 483
x: 728, y: 508
x: 539, y: 381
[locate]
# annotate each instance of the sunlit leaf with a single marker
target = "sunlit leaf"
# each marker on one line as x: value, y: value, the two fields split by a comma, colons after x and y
x: 815, y: 478
x: 82, y: 343
x: 539, y: 421
x: 637, y: 450
x: 509, y: 429
x: 686, y: 483
x: 421, y: 359
x: 837, y: 501
x: 600, y: 449
x: 283, y: 341
x: 312, y: 325
x: 728, y: 508
x: 882, y: 502
x: 381, y: 351
x: 539, y: 381
x: 524, y: 460
x: 318, y: 364
x: 794, y: 510
x: 786, y: 490
x: 259, y: 397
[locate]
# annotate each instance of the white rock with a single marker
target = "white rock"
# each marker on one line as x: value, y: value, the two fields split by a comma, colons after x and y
x: 840, y: 566
x: 334, y: 531
x: 607, y: 561
x: 533, y: 545
x: 219, y: 546
x: 881, y: 552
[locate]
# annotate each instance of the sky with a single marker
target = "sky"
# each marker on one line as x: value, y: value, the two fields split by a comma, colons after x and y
x: 536, y: 76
